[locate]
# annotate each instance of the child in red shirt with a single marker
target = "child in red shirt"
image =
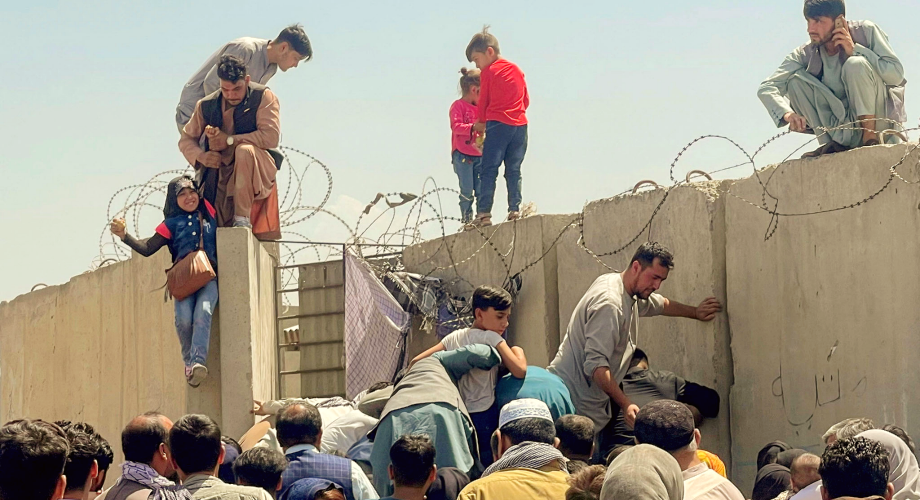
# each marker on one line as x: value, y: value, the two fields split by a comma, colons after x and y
x: 503, y: 101
x: 465, y: 154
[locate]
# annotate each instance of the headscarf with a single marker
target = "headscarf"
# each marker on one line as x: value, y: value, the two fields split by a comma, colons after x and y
x: 768, y: 453
x: 787, y: 457
x: 163, y: 489
x: 447, y: 484
x: 306, y: 489
x: 904, y: 472
x: 643, y: 472
x: 528, y: 455
x: 771, y: 480
x: 225, y: 471
x: 171, y: 208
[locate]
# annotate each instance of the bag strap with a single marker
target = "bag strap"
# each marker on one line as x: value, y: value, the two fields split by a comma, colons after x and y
x: 200, y: 232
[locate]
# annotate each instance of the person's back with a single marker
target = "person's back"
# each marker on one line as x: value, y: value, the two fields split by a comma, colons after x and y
x: 540, y: 384
x: 669, y: 425
x: 197, y: 451
x: 32, y: 458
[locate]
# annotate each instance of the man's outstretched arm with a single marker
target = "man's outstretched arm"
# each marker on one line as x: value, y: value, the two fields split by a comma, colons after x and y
x: 772, y: 91
x: 706, y: 311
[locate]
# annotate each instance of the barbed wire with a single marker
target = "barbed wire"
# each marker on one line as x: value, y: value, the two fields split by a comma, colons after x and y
x: 424, y: 217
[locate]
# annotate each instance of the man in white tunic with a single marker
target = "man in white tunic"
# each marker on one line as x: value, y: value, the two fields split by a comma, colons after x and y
x: 848, y: 76
x: 594, y: 356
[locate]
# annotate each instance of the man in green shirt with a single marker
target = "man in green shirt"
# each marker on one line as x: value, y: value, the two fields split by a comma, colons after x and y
x: 845, y: 86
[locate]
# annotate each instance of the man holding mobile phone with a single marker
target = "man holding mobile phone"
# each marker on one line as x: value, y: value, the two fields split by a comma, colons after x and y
x: 845, y: 86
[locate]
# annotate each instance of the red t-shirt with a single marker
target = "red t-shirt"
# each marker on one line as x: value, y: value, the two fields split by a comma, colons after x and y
x: 503, y: 94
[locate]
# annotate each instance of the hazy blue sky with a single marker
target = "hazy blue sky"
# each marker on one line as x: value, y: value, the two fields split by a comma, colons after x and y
x: 617, y: 89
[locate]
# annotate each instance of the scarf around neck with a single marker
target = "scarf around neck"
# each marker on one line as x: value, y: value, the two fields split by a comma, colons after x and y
x: 163, y: 489
x: 528, y: 455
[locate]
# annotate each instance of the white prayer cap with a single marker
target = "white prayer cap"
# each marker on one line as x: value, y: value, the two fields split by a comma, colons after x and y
x: 523, y: 408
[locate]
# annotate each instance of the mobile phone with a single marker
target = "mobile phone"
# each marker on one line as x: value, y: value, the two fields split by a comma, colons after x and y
x: 840, y: 22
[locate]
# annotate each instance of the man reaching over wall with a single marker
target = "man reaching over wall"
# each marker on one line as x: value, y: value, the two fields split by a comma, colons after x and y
x: 596, y: 352
x: 848, y: 76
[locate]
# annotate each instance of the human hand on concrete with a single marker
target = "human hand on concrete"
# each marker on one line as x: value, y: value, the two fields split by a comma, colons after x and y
x: 632, y: 411
x: 258, y: 408
x: 707, y: 309
x: 217, y: 139
x: 211, y: 159
x: 118, y: 228
x: 796, y: 122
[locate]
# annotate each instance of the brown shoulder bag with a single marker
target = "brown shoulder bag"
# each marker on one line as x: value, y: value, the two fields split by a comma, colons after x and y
x: 192, y: 272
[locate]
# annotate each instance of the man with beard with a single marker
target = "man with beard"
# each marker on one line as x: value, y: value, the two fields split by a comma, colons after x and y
x: 595, y: 354
x: 848, y: 76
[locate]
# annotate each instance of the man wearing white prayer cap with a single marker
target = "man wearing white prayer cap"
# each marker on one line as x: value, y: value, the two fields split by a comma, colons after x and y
x: 527, y: 464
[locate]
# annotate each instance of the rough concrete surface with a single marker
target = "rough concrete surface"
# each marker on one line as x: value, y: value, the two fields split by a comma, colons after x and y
x: 823, y: 315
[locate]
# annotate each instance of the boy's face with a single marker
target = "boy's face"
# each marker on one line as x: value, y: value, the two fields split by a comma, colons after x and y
x: 492, y: 320
x: 482, y: 60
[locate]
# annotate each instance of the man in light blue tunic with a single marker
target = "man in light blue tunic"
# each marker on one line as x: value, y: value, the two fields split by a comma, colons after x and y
x: 845, y: 86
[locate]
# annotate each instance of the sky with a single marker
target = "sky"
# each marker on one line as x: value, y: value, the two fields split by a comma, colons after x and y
x: 617, y: 90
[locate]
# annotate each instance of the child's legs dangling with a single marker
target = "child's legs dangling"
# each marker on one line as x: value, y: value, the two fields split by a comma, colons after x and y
x: 184, y: 318
x: 205, y: 302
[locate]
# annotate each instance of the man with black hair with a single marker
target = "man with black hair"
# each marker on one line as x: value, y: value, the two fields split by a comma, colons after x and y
x: 669, y: 425
x: 855, y: 468
x: 491, y: 311
x: 262, y: 468
x: 412, y: 467
x: 847, y: 76
x: 300, y: 433
x: 197, y: 452
x: 32, y: 458
x: 83, y: 469
x: 597, y: 349
x: 576, y: 440
x: 263, y: 58
x: 227, y: 140
x: 528, y: 464
x: 148, y: 471
x: 642, y: 385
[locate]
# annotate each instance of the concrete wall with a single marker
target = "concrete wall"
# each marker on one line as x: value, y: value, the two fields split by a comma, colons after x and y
x: 846, y: 279
x: 535, y: 315
x: 102, y: 348
x: 691, y: 224
x: 809, y: 313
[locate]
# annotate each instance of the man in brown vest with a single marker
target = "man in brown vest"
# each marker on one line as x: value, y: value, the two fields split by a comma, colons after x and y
x: 845, y: 86
x: 230, y: 133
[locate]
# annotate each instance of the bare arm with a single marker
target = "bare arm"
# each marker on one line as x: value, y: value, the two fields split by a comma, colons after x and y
x: 436, y: 348
x: 706, y: 311
x: 604, y: 379
x: 513, y: 359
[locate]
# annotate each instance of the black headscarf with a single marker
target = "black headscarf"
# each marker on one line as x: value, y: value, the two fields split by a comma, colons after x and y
x: 768, y: 453
x: 447, y: 484
x: 171, y: 208
x: 771, y: 480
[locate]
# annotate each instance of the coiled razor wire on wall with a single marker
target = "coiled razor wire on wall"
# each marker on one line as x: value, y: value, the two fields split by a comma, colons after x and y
x: 424, y: 216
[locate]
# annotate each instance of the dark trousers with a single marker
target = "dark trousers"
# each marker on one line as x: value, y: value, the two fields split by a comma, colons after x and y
x: 508, y: 144
x: 486, y: 423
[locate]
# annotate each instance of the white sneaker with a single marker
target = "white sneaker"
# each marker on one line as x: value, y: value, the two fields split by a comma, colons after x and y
x: 199, y: 372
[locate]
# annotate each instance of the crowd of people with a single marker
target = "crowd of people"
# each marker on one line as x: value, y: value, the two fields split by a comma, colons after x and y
x: 469, y: 418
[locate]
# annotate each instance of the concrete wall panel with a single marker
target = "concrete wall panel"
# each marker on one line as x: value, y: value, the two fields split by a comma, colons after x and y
x: 823, y: 314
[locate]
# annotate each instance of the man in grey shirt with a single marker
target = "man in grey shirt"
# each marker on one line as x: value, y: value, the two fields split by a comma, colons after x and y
x: 263, y: 58
x: 595, y: 354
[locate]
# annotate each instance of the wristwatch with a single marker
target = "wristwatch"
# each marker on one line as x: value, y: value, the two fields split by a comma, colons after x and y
x: 229, y: 140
